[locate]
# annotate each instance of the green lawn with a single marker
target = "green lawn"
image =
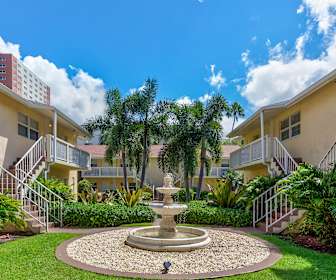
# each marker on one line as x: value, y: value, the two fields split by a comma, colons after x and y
x: 33, y: 258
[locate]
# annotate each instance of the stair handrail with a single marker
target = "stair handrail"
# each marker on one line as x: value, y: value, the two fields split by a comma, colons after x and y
x: 32, y: 157
x: 283, y: 157
x: 325, y: 164
x: 29, y: 197
x: 55, y: 202
x: 278, y: 207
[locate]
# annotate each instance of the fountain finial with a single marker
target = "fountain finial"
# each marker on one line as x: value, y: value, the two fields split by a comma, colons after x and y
x: 168, y: 180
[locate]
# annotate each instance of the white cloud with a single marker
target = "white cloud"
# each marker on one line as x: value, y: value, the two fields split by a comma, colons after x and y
x: 80, y: 96
x: 300, y: 10
x: 8, y: 47
x: 227, y: 124
x: 254, y: 39
x: 245, y: 57
x: 185, y: 100
x: 205, y: 97
x: 286, y: 73
x: 216, y: 79
x: 323, y: 12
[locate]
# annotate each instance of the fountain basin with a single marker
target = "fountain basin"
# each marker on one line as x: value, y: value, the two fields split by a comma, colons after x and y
x: 184, y: 239
x: 172, y: 209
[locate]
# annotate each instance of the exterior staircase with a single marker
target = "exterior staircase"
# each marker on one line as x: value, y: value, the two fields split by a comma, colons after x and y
x: 42, y: 207
x: 272, y: 209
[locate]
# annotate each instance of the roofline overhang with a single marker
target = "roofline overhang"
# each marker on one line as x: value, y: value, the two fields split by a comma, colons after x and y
x: 288, y: 103
x: 35, y: 105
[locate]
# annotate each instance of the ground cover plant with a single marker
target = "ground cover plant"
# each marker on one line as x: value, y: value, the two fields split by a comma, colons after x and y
x: 297, y: 263
x: 10, y: 212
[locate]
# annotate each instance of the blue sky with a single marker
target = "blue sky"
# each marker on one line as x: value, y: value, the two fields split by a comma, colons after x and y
x: 97, y: 45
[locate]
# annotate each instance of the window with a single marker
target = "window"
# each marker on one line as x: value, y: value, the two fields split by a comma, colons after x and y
x: 2, y: 71
x: 28, y: 127
x: 290, y: 126
x: 2, y: 58
x: 2, y: 78
x: 2, y: 65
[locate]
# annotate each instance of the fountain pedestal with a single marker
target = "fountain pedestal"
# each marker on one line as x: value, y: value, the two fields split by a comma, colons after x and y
x: 168, y: 237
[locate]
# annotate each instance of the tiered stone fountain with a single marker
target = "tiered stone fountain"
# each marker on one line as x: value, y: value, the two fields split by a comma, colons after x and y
x: 167, y: 236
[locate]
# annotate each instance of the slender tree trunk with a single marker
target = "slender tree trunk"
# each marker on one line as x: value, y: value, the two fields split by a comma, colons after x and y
x: 186, y: 185
x: 201, y: 172
x: 144, y: 155
x: 123, y: 159
x: 234, y: 120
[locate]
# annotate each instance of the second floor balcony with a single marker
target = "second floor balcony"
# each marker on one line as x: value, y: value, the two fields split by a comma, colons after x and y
x: 107, y: 172
x: 67, y: 153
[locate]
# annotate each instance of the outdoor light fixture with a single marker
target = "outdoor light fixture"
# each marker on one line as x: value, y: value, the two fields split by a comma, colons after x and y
x: 166, y: 265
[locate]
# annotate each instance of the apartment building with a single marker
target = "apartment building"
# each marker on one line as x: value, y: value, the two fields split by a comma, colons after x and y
x: 108, y: 176
x: 21, y: 80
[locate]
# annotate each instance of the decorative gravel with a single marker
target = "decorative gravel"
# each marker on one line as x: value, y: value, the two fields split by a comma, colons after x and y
x: 226, y: 251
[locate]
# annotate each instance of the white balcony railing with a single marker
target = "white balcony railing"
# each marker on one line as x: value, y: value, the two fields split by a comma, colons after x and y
x: 107, y: 171
x: 250, y: 153
x: 215, y: 172
x: 67, y: 153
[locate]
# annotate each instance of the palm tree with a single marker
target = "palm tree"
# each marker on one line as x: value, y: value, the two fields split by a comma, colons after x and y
x: 117, y: 129
x: 181, y: 148
x: 209, y: 132
x: 236, y: 111
x: 150, y: 117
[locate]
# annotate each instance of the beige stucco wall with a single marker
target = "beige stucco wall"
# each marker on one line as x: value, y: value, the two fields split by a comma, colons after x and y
x: 318, y: 128
x: 13, y: 145
x: 66, y: 174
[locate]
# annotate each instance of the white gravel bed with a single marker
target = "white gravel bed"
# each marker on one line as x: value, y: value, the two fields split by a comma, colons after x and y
x: 226, y: 251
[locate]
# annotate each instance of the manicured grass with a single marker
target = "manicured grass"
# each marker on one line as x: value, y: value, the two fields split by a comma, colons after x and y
x: 33, y: 258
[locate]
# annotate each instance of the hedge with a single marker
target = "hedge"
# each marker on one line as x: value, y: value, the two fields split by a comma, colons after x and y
x: 105, y: 215
x: 199, y: 212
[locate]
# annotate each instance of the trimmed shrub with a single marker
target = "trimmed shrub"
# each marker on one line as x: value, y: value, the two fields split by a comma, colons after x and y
x: 199, y: 212
x: 10, y: 212
x: 105, y: 215
x: 58, y: 187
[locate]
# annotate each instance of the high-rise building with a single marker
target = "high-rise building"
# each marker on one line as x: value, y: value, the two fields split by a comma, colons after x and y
x: 21, y: 80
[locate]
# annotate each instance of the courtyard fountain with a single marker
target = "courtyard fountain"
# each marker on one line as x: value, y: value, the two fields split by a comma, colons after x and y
x: 167, y: 236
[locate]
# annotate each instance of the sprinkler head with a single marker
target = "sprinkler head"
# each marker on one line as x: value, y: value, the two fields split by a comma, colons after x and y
x: 166, y: 265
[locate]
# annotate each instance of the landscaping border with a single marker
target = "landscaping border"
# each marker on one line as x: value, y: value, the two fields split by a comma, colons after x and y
x: 275, y: 255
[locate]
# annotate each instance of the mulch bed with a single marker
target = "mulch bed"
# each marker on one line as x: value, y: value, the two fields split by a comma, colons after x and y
x: 311, y: 242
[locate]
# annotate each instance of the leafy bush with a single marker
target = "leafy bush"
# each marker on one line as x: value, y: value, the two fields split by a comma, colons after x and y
x: 225, y: 195
x: 255, y: 187
x: 146, y: 196
x: 95, y: 197
x: 58, y: 187
x: 10, y: 212
x: 105, y: 215
x: 84, y: 185
x: 199, y: 212
x: 314, y: 191
x: 181, y: 196
x: 235, y: 178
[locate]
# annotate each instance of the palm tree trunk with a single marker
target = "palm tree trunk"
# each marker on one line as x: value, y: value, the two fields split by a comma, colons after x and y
x: 234, y: 120
x: 123, y: 159
x: 186, y: 185
x: 201, y: 172
x: 144, y: 155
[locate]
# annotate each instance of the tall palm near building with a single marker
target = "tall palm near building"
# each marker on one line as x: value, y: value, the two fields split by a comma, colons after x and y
x: 209, y: 132
x: 117, y: 129
x: 150, y: 117
x: 236, y: 112
x: 180, y: 151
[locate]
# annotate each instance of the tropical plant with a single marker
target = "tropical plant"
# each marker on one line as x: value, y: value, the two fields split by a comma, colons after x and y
x: 309, y: 188
x: 58, y: 187
x: 84, y: 185
x: 255, y: 187
x: 129, y: 198
x: 94, y: 196
x: 236, y: 111
x: 181, y: 147
x: 117, y: 129
x: 208, y: 133
x: 224, y: 195
x: 10, y: 212
x: 235, y: 178
x: 150, y: 117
